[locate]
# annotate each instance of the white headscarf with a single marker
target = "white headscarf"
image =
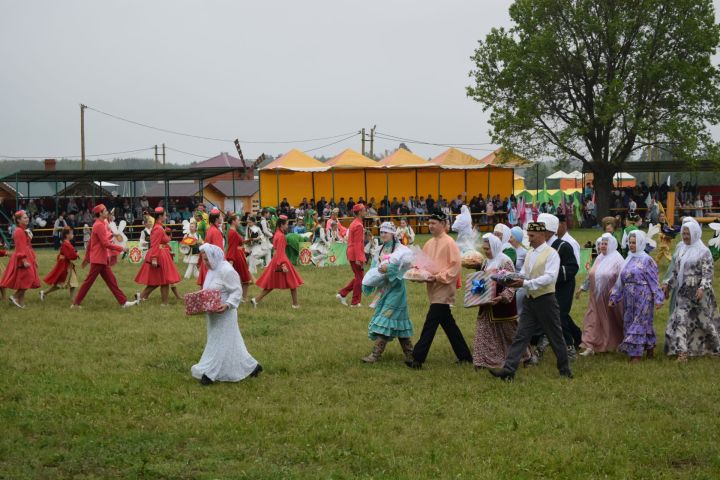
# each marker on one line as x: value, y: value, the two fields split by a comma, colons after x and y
x: 680, y: 247
x: 496, y: 249
x: 216, y: 261
x: 506, y: 233
x: 463, y: 222
x: 640, y: 241
x: 692, y: 253
x: 607, y: 265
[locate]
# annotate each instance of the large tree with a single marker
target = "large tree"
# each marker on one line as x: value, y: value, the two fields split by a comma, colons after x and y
x: 601, y: 79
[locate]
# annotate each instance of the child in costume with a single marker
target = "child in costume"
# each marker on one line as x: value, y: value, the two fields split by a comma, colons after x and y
x: 235, y: 255
x: 87, y: 232
x: 257, y: 243
x: 404, y: 233
x: 191, y: 241
x: 21, y: 273
x: 63, y: 274
x: 391, y: 318
x: 280, y: 273
x: 319, y: 248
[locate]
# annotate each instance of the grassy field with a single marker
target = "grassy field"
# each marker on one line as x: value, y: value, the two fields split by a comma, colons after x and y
x: 107, y: 393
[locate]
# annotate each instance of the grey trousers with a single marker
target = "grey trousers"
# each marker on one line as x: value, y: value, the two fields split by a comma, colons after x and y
x: 538, y: 314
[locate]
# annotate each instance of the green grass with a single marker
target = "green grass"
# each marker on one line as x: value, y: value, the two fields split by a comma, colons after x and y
x: 107, y: 393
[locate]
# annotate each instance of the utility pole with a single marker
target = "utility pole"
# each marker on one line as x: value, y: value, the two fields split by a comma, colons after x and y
x: 163, y: 154
x: 156, y: 157
x: 82, y: 136
x: 372, y: 142
x: 362, y: 133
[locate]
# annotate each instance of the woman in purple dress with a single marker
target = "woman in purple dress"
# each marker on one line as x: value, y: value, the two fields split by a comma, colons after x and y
x: 638, y: 287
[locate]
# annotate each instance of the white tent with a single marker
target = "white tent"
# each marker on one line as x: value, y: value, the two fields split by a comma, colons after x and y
x: 575, y: 175
x: 557, y: 175
x: 622, y: 176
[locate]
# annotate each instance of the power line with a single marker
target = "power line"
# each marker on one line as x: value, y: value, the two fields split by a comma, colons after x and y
x: 188, y: 153
x: 445, y: 144
x: 333, y: 143
x: 420, y: 142
x: 30, y: 157
x: 201, y: 137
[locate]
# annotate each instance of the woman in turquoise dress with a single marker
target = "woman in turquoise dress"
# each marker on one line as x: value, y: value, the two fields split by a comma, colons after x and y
x: 391, y: 318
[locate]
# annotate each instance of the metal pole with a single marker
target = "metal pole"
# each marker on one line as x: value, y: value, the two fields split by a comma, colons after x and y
x: 363, y: 140
x: 156, y: 156
x: 82, y: 136
x: 163, y: 154
x: 57, y: 207
x: 233, y: 190
x: 372, y: 143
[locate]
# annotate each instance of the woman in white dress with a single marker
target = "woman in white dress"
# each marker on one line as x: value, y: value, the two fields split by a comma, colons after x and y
x: 225, y: 358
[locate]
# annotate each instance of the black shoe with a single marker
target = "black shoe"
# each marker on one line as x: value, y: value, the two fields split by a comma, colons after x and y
x: 257, y: 371
x: 415, y: 365
x: 503, y: 374
x: 205, y: 380
x: 566, y: 373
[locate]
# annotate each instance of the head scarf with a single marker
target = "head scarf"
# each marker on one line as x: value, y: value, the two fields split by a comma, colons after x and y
x: 463, y: 222
x: 496, y: 249
x: 517, y: 232
x: 640, y: 241
x: 505, y: 231
x: 691, y: 254
x: 607, y: 265
x: 216, y: 259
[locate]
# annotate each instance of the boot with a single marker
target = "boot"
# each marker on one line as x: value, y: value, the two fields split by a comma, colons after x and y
x: 407, y: 348
x: 377, y: 352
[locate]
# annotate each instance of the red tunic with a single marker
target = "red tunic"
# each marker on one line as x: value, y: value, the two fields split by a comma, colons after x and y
x: 58, y: 275
x: 165, y: 273
x: 18, y: 276
x: 236, y: 254
x: 273, y: 277
x: 215, y: 237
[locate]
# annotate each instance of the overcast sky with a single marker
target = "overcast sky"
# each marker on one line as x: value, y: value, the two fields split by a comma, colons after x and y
x: 258, y: 71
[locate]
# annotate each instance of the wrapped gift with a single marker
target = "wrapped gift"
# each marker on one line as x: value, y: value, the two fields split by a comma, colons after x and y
x: 479, y: 289
x: 202, y: 301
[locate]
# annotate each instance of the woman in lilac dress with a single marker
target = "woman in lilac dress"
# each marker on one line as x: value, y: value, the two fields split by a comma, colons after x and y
x: 602, y: 326
x: 638, y: 288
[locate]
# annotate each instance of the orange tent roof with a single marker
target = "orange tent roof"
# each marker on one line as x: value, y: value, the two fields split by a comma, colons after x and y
x: 454, y: 158
x: 500, y: 158
x: 349, y: 158
x: 297, y: 161
x: 403, y: 158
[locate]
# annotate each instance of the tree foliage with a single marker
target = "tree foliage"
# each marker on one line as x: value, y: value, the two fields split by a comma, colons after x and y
x: 599, y: 80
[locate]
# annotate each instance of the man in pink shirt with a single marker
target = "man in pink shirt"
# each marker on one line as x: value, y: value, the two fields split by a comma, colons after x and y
x: 356, y: 257
x: 441, y: 288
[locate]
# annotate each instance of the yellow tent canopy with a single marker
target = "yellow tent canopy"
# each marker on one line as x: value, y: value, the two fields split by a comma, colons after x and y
x: 404, y: 158
x: 349, y: 158
x: 296, y: 161
x: 454, y: 158
x: 519, y: 183
x: 503, y: 158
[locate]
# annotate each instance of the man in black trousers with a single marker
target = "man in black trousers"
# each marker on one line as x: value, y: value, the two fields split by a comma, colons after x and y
x: 540, y: 311
x: 441, y: 288
x: 565, y: 285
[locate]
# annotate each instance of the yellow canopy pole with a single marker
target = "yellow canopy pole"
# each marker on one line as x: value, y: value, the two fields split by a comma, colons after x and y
x: 277, y: 180
x: 365, y: 177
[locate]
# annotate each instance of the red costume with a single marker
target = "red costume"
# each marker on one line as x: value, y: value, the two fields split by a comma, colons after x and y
x: 18, y: 276
x: 215, y: 237
x: 355, y: 253
x: 274, y: 277
x: 59, y: 274
x: 165, y: 273
x: 236, y: 255
x: 98, y: 254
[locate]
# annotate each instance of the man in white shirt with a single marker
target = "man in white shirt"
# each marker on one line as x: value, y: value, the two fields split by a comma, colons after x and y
x: 564, y: 235
x: 541, y: 311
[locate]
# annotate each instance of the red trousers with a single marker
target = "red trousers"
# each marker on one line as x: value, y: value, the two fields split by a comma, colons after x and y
x: 107, y: 274
x: 355, y: 284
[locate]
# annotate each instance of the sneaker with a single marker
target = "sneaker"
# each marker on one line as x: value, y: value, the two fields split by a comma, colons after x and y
x: 42, y: 295
x: 254, y: 302
x: 588, y: 352
x: 342, y: 299
x: 257, y: 371
x: 137, y: 297
x: 571, y: 353
x: 296, y: 307
x: 72, y: 305
x: 356, y: 305
x: 129, y: 304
